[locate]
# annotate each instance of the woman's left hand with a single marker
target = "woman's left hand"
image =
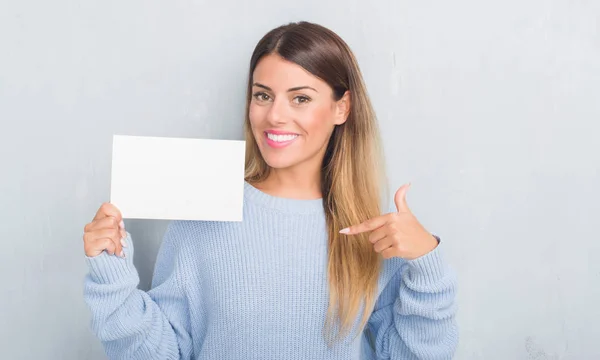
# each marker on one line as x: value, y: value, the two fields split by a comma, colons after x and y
x: 397, y: 234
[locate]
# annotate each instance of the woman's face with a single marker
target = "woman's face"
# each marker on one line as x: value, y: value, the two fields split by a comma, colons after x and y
x: 292, y: 113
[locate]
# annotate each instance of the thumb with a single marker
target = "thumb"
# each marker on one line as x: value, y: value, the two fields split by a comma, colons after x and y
x: 400, y: 198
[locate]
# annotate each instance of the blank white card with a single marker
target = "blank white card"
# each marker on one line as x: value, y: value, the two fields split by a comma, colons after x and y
x: 178, y: 178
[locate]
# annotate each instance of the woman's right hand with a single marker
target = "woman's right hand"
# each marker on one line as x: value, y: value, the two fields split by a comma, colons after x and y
x: 105, y: 232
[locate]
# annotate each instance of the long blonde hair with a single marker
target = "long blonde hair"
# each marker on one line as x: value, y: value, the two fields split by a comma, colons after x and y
x: 352, y: 174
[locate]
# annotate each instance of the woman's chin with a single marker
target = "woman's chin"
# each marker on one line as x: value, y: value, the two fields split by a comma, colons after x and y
x: 279, y: 163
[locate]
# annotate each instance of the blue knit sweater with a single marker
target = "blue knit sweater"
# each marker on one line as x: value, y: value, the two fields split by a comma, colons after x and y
x: 257, y: 289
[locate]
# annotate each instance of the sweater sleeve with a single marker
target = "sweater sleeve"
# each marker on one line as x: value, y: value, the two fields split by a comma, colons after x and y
x: 414, y: 317
x: 134, y: 324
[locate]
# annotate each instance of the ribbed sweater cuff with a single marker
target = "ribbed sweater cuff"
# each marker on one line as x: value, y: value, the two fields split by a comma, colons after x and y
x: 111, y: 269
x: 429, y: 268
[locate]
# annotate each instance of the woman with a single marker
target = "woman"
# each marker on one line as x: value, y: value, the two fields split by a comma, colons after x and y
x: 315, y: 271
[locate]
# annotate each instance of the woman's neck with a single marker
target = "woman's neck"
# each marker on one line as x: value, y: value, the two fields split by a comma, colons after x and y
x: 287, y: 184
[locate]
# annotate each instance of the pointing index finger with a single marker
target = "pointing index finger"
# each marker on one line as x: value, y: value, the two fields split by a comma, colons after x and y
x: 368, y: 225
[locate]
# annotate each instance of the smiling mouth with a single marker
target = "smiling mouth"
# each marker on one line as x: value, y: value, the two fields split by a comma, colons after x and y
x: 279, y: 140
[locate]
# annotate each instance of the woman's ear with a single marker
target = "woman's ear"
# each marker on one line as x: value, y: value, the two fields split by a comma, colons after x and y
x: 342, y: 109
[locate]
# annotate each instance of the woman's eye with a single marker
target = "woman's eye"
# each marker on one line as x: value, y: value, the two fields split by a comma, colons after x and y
x: 301, y: 99
x: 261, y: 96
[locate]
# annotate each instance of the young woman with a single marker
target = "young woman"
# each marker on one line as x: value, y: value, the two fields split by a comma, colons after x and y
x: 317, y: 270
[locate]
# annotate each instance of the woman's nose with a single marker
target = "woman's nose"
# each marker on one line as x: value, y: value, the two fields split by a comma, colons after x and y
x: 277, y: 113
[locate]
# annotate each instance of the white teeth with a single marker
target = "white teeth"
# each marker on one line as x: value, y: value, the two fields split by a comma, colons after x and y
x: 281, y: 138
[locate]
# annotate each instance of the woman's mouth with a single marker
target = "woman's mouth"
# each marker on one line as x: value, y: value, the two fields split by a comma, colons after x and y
x: 279, y: 140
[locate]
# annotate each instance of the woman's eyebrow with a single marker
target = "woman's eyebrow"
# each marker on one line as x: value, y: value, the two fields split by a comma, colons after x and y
x: 301, y: 88
x: 289, y: 90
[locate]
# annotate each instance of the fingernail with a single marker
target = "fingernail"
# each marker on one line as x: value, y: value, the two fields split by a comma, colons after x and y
x: 122, y: 224
x: 121, y: 254
x: 345, y: 231
x: 123, y: 243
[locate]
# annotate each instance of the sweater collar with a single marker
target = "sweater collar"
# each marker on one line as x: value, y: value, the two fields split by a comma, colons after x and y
x: 288, y: 205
